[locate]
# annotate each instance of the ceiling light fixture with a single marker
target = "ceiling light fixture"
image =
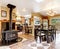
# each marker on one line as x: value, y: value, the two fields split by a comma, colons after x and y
x: 38, y: 1
x: 51, y: 12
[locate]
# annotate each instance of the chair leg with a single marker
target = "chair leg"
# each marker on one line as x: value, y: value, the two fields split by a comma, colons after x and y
x: 40, y: 39
x: 47, y: 38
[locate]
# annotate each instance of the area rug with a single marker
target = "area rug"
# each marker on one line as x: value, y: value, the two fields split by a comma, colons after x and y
x: 4, y: 47
x: 9, y: 46
x: 35, y: 45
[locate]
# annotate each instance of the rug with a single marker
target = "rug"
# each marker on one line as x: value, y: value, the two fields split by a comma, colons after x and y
x: 8, y: 46
x: 35, y: 45
x: 4, y: 47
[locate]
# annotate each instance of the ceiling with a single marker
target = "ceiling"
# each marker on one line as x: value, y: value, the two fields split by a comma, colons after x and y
x: 25, y: 7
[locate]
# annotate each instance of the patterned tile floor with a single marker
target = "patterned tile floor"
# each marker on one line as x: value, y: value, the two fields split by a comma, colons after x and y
x: 29, y: 43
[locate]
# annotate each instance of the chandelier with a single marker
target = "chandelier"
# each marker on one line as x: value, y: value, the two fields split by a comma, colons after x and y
x: 51, y: 12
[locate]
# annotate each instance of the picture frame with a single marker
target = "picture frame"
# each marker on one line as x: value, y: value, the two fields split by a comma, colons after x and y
x: 3, y: 13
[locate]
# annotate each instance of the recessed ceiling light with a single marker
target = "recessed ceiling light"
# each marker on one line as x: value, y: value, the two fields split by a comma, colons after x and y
x: 38, y: 1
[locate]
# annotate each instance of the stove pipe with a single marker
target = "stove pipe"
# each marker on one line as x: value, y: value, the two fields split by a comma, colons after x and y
x: 11, y: 7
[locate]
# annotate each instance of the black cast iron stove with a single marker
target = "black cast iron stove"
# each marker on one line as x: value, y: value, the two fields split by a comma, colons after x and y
x: 10, y: 34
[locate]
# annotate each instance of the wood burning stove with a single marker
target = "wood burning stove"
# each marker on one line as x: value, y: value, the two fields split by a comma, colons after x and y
x: 10, y: 34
